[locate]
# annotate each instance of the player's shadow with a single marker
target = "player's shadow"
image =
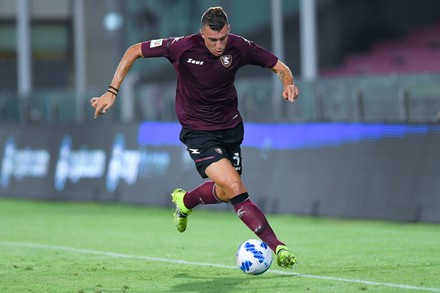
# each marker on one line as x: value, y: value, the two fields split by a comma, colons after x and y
x: 204, y: 284
x: 216, y: 284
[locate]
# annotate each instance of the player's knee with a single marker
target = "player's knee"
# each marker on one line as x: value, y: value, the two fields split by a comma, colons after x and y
x: 228, y: 191
x: 235, y: 188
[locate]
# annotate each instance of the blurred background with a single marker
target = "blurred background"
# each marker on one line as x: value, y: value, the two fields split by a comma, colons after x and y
x: 366, y: 60
x: 367, y: 63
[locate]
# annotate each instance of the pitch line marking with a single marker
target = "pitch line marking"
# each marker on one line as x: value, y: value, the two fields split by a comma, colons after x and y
x: 184, y: 262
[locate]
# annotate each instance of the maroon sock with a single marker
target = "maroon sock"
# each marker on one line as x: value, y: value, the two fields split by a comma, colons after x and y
x: 202, y: 194
x: 254, y: 218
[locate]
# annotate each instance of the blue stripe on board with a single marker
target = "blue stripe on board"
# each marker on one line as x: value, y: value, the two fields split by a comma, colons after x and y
x: 292, y: 136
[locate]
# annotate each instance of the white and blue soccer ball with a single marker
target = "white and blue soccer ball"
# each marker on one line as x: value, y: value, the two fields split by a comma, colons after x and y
x: 254, y: 257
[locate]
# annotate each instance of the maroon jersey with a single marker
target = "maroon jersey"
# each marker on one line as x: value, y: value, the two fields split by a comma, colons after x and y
x: 206, y: 98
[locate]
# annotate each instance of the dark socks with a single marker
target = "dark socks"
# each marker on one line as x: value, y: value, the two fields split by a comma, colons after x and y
x: 254, y: 218
x: 202, y: 194
x: 245, y: 208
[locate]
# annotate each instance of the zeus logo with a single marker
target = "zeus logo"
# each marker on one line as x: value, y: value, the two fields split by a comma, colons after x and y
x: 192, y: 61
x: 194, y: 151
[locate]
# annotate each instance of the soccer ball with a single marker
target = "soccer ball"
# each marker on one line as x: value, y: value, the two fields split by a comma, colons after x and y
x: 254, y: 257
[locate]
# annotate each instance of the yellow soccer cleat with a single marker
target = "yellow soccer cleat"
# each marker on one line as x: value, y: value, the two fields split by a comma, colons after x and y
x: 285, y: 258
x: 181, y: 213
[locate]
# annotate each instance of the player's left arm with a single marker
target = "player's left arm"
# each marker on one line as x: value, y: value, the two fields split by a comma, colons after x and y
x: 290, y: 91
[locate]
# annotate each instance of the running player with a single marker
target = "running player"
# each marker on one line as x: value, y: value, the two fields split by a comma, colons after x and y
x: 207, y: 109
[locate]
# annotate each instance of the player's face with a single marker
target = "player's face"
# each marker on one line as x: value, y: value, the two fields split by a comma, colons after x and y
x: 215, y: 41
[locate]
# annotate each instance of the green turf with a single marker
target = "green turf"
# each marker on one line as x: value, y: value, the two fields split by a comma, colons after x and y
x: 67, y: 247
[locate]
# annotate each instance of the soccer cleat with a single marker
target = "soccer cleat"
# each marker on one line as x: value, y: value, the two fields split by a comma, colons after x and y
x: 181, y: 213
x: 285, y: 259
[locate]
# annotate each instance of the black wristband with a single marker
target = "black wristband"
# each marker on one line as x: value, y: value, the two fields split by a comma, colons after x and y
x: 112, y: 92
x: 113, y: 88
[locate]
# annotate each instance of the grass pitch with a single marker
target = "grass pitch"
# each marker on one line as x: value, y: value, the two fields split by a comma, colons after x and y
x: 89, y: 247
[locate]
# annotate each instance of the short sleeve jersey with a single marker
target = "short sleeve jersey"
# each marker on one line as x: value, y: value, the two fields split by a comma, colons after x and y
x: 206, y: 98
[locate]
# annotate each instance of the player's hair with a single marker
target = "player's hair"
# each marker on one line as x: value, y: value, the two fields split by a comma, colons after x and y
x: 215, y: 18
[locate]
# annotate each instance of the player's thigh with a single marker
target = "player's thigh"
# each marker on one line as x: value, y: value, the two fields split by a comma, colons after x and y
x: 227, y: 179
x: 203, y: 148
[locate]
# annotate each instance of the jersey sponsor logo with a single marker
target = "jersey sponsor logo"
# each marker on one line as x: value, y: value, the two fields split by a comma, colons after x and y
x: 156, y: 43
x: 226, y: 60
x: 192, y: 61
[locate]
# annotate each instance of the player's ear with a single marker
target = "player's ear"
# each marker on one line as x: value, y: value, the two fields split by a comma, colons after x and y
x: 201, y: 33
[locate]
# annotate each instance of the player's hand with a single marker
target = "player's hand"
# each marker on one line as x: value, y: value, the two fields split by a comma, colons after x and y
x: 290, y: 92
x: 103, y: 103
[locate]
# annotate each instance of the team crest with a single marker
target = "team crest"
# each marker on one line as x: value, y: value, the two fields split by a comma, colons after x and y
x: 226, y: 60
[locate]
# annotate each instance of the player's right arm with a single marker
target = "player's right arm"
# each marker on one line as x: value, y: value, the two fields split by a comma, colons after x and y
x: 103, y: 103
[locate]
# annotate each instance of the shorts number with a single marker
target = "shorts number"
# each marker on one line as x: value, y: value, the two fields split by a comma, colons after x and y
x: 236, y: 159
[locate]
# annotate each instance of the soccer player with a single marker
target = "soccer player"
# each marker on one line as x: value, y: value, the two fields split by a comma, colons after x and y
x: 207, y: 109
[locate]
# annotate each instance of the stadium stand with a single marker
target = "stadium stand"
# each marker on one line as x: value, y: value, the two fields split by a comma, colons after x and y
x: 417, y: 52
